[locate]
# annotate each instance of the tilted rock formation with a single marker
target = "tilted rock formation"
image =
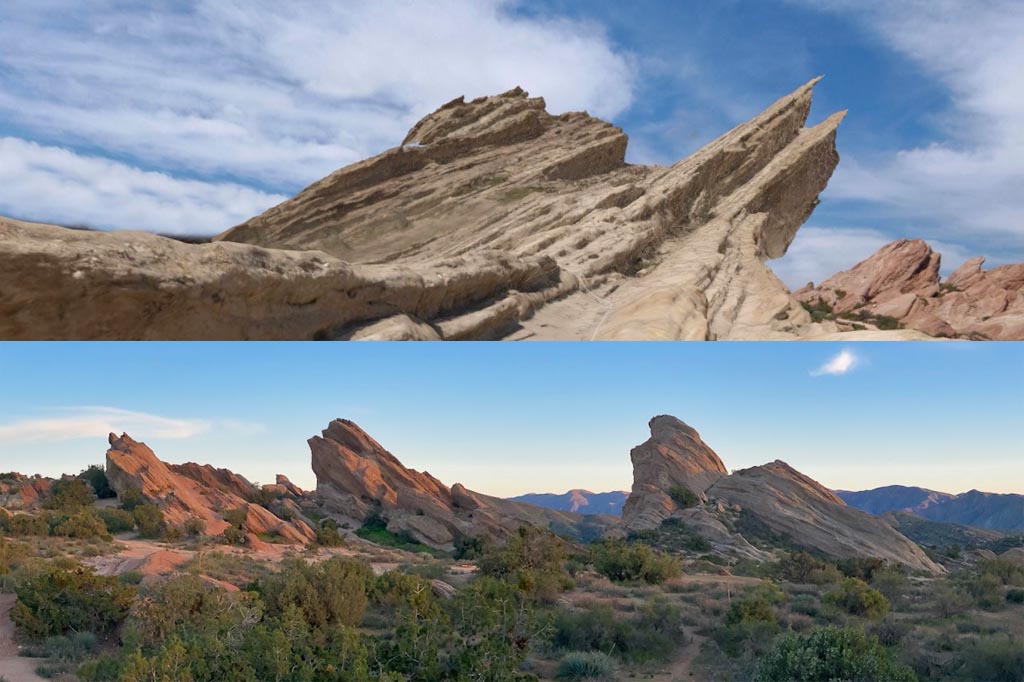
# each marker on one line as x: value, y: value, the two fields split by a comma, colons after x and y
x: 18, y: 491
x: 811, y: 516
x: 673, y: 456
x: 783, y: 499
x: 901, y: 281
x: 358, y: 479
x: 187, y: 491
x: 490, y: 212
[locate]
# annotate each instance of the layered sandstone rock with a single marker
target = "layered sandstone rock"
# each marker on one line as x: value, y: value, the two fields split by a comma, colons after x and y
x: 811, y: 516
x: 901, y: 283
x: 493, y: 219
x: 673, y: 456
x: 358, y: 480
x: 19, y: 492
x: 786, y: 501
x: 188, y: 491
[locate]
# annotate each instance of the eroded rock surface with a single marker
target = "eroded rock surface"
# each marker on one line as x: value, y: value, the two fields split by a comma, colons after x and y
x: 188, y: 491
x: 493, y: 219
x: 901, y: 284
x: 358, y: 480
x: 674, y: 456
x: 789, y: 503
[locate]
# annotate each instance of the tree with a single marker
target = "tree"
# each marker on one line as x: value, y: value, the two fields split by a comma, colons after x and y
x: 54, y: 599
x: 96, y: 477
x: 149, y: 519
x: 828, y: 654
x: 70, y: 493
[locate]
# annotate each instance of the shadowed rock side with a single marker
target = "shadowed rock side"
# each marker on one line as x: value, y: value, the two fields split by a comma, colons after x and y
x: 494, y: 219
x: 901, y: 282
x: 673, y: 456
x: 358, y: 479
x: 188, y: 491
x: 776, y: 495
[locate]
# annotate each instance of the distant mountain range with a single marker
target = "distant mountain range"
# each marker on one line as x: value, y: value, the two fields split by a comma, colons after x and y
x: 579, y: 501
x: 981, y: 510
x: 974, y: 508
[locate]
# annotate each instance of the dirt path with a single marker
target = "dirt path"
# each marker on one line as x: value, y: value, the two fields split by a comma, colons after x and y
x: 13, y: 667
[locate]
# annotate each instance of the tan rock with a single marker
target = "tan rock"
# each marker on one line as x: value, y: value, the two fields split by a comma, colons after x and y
x: 674, y: 455
x: 490, y: 212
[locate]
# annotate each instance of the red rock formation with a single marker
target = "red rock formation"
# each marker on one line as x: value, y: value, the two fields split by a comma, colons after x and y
x: 901, y: 281
x: 187, y: 491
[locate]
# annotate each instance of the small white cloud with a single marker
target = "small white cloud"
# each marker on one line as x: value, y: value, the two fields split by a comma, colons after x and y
x: 838, y: 365
x: 97, y: 422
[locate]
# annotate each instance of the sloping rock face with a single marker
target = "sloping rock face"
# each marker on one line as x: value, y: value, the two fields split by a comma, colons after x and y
x: 901, y: 281
x: 358, y: 479
x: 674, y: 455
x: 187, y: 491
x: 490, y: 212
x: 18, y: 491
x: 799, y: 508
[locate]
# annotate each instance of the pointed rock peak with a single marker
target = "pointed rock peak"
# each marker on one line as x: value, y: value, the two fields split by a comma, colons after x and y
x: 352, y: 436
x: 480, y: 117
x: 665, y: 424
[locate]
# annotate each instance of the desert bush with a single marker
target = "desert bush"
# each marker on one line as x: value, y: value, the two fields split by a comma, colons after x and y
x: 890, y: 633
x: 673, y: 535
x: 629, y: 562
x: 856, y: 597
x: 82, y: 524
x: 533, y: 560
x: 328, y: 593
x: 683, y: 496
x: 233, y: 536
x: 29, y: 524
x: 807, y: 604
x: 891, y: 582
x: 69, y: 493
x: 117, y: 520
x: 751, y: 622
x: 986, y: 589
x: 54, y: 599
x: 195, y: 527
x: 949, y: 600
x: 863, y: 568
x: 131, y: 498
x: 1015, y: 596
x: 96, y: 477
x: 998, y: 658
x: 653, y: 635
x: 587, y: 665
x: 149, y: 520
x: 327, y: 534
x: 830, y: 654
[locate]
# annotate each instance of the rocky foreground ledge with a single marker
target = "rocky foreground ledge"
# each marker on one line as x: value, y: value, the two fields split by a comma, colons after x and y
x: 493, y: 220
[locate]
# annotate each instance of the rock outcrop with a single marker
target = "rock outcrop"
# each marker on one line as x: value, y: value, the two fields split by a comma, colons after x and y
x: 493, y: 219
x: 900, y: 284
x: 358, y: 480
x: 787, y: 502
x: 813, y: 517
x: 188, y: 491
x: 673, y: 458
x: 21, y: 492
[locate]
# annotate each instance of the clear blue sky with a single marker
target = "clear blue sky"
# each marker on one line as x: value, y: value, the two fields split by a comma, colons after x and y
x: 514, y: 418
x: 192, y: 116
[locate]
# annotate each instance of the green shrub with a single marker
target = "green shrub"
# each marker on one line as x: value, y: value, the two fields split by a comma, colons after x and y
x: 630, y: 562
x: 587, y: 665
x: 328, y: 593
x: 131, y: 498
x: 683, y: 496
x: 117, y: 520
x: 997, y: 658
x: 533, y: 560
x: 29, y: 524
x: 653, y: 635
x: 751, y: 622
x: 82, y: 524
x: 149, y: 520
x: 70, y: 493
x: 236, y: 517
x: 327, y: 534
x: 195, y: 527
x: 53, y: 600
x: 96, y: 477
x: 830, y: 654
x: 856, y: 597
x: 233, y: 536
x: 1015, y: 596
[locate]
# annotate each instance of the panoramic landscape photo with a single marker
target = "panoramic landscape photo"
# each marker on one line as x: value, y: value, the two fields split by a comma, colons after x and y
x: 434, y: 512
x: 511, y: 169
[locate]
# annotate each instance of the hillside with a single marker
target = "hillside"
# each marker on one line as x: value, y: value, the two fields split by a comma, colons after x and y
x: 974, y: 508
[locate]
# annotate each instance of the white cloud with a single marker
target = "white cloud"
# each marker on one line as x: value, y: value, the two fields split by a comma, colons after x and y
x: 278, y: 94
x: 968, y: 181
x: 819, y: 252
x: 841, y: 363
x: 58, y: 185
x: 97, y: 422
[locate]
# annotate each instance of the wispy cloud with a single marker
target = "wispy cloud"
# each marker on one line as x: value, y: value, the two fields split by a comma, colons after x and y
x: 839, y: 364
x: 96, y: 422
x: 967, y: 180
x: 267, y: 94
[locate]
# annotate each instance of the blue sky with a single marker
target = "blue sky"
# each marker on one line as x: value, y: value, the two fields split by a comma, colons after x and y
x: 190, y: 117
x: 514, y: 418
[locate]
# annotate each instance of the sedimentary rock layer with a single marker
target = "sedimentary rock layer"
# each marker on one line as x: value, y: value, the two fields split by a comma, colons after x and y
x: 493, y: 219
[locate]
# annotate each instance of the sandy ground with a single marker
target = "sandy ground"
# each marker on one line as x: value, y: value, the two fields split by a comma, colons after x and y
x: 13, y: 667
